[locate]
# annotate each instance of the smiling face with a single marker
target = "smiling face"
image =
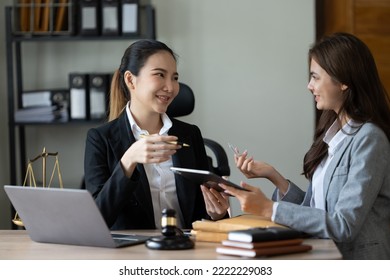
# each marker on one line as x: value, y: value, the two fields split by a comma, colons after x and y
x: 328, y: 93
x: 156, y: 85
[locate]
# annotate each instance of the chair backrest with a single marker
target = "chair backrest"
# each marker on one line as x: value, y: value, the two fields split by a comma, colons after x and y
x: 183, y: 105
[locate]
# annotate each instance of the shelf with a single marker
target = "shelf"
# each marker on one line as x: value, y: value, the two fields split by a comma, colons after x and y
x: 59, y: 122
x: 14, y: 41
x: 148, y: 33
x: 53, y: 38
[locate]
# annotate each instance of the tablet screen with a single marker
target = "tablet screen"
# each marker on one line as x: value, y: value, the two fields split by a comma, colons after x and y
x: 204, y: 177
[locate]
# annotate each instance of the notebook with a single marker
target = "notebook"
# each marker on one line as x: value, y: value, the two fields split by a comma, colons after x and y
x: 65, y: 216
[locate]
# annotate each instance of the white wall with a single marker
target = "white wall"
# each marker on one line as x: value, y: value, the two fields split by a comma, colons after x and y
x: 245, y: 60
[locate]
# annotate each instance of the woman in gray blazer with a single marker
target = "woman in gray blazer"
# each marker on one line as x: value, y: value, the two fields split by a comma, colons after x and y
x: 348, y: 164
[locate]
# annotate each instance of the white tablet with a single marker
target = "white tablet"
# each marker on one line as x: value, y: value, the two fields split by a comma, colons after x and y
x: 205, y: 177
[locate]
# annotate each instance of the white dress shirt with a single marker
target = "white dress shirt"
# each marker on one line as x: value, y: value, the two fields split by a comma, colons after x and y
x: 334, y: 137
x: 161, y: 178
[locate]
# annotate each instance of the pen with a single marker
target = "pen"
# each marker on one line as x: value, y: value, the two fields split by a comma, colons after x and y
x: 177, y: 143
x: 170, y: 142
x: 234, y: 149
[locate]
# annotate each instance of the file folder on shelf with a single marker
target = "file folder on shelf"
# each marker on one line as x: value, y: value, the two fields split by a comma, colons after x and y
x: 37, y: 15
x: 23, y: 14
x: 130, y: 17
x: 79, y: 96
x: 98, y: 95
x: 89, y: 17
x: 43, y: 17
x: 61, y: 10
x: 110, y: 17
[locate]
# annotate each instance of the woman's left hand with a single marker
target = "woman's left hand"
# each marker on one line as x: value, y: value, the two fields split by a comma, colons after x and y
x: 252, y: 201
x: 217, y: 203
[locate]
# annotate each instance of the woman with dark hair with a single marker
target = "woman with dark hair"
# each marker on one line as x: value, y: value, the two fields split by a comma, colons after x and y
x: 348, y: 164
x: 127, y: 160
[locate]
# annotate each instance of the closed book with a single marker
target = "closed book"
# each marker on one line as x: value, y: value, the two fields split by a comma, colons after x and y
x: 258, y: 252
x: 240, y: 222
x: 263, y: 244
x: 208, y: 236
x: 263, y: 234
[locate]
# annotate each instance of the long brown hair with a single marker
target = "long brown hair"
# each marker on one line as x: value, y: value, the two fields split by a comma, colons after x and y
x: 133, y: 60
x: 349, y: 61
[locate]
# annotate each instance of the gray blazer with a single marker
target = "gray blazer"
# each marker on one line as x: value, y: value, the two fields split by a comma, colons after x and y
x: 357, y: 198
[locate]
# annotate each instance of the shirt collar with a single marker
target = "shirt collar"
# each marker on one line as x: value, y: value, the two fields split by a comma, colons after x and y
x: 137, y: 131
x: 334, y: 136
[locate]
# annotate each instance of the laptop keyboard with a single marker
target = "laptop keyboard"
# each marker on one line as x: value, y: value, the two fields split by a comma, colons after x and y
x: 129, y: 239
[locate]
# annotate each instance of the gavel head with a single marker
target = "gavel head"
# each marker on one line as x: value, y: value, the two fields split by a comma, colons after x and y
x: 168, y: 222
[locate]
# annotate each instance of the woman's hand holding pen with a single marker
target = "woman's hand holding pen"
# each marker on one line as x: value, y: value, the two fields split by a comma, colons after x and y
x: 150, y: 149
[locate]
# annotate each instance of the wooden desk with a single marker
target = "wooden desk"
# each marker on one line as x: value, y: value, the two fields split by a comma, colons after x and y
x: 17, y: 245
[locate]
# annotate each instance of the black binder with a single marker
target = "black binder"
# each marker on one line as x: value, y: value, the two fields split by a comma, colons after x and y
x: 98, y: 95
x: 110, y: 17
x: 89, y: 17
x: 60, y: 98
x: 79, y: 96
x: 130, y: 17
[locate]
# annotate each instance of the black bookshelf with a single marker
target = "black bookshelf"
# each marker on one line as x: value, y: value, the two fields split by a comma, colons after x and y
x: 16, y: 130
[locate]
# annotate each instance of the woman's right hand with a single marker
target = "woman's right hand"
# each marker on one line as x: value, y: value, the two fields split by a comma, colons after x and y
x: 150, y: 149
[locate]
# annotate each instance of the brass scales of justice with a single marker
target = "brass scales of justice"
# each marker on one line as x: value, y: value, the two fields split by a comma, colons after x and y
x: 30, y: 177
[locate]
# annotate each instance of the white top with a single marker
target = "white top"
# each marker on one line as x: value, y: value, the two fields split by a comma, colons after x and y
x: 161, y: 178
x: 334, y: 137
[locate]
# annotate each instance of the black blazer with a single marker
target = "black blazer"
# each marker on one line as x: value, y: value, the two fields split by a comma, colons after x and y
x: 126, y: 203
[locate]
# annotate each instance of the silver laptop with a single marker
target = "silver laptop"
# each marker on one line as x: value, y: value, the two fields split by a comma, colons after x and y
x: 65, y: 216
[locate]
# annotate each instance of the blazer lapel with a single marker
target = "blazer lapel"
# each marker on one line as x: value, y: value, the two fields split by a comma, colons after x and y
x: 333, y: 165
x: 185, y: 193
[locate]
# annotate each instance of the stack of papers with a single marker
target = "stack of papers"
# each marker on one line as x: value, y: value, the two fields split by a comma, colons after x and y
x: 43, y: 114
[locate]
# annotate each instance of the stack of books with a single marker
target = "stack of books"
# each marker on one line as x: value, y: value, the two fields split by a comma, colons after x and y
x: 216, y: 231
x: 261, y: 242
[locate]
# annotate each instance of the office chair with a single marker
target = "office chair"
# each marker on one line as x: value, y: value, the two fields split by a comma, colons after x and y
x: 183, y: 105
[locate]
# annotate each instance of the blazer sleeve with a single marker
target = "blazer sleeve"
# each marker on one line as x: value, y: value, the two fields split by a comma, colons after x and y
x: 104, y: 177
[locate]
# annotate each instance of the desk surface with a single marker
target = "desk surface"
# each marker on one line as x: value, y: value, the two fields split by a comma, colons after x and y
x: 17, y: 245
